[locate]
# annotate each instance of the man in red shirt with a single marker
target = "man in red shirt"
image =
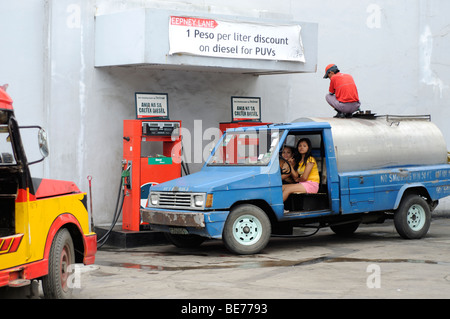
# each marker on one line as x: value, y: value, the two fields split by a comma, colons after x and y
x: 343, y: 95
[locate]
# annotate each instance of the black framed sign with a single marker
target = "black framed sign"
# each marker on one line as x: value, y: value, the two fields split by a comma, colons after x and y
x: 245, y: 109
x: 152, y: 105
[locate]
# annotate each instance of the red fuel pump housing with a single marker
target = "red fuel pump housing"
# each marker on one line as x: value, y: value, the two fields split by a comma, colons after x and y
x: 151, y: 155
x: 226, y: 125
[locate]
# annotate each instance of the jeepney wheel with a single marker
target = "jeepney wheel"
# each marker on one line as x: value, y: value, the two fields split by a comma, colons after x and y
x: 412, y: 218
x: 247, y: 230
x: 57, y: 285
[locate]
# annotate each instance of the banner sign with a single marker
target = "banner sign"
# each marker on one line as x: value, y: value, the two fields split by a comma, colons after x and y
x: 152, y: 105
x: 245, y: 108
x: 230, y: 39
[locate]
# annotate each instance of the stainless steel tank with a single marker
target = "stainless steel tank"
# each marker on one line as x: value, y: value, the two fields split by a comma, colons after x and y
x: 387, y: 141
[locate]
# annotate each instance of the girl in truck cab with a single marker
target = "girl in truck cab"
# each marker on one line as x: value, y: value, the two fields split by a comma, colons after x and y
x: 306, y: 170
x: 287, y: 162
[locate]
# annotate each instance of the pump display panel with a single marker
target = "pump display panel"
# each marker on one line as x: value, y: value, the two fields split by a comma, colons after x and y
x: 165, y: 128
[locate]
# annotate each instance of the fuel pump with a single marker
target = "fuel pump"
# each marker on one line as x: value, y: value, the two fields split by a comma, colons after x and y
x: 151, y: 155
x: 226, y: 125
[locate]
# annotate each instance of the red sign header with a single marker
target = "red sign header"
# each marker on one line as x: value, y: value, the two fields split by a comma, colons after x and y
x: 193, y: 22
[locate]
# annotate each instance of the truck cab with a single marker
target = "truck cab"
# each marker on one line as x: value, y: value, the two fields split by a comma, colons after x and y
x: 369, y: 171
x: 44, y: 224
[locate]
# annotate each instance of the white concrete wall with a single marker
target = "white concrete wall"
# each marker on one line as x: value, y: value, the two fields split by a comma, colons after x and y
x: 397, y: 52
x: 22, y: 40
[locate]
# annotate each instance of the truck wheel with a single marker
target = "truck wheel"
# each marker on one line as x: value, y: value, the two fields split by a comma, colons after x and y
x: 247, y: 230
x: 184, y: 241
x: 413, y: 217
x: 56, y: 285
x: 345, y: 229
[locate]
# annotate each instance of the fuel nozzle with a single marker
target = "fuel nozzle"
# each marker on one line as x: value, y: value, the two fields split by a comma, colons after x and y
x: 126, y: 174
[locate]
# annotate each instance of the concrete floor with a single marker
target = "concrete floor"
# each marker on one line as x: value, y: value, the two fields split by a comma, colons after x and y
x: 374, y: 263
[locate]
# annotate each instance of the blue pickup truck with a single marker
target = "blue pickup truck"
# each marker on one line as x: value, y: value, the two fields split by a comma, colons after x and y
x: 371, y: 169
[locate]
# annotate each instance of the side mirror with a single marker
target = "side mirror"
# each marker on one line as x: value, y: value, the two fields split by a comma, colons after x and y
x: 43, y: 142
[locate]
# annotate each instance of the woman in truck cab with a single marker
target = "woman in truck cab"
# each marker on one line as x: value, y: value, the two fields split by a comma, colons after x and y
x: 305, y: 172
x: 287, y: 162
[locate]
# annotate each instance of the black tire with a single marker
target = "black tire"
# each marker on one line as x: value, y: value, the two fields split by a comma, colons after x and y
x: 412, y: 219
x: 185, y: 241
x: 345, y: 229
x: 247, y: 230
x: 56, y: 285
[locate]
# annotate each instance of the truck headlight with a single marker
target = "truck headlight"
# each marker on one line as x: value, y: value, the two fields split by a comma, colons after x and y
x: 153, y: 199
x: 199, y: 200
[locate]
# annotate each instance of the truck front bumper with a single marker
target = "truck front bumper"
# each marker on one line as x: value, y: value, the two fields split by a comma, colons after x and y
x: 209, y: 224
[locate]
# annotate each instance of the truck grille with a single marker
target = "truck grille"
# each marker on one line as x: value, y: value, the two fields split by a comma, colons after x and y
x: 178, y: 200
x: 173, y: 199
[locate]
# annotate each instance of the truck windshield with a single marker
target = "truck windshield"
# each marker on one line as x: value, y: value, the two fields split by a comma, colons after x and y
x: 6, y: 150
x: 249, y: 147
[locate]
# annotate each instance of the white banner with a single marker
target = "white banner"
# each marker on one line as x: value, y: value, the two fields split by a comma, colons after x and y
x: 244, y: 40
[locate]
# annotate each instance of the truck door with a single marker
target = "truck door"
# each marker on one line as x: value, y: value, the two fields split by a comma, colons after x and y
x: 320, y: 201
x: 358, y: 193
x: 8, y: 183
x: 13, y: 195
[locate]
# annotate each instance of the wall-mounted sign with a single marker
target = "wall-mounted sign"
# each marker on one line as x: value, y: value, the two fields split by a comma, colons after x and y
x: 152, y: 105
x: 228, y: 39
x: 245, y: 109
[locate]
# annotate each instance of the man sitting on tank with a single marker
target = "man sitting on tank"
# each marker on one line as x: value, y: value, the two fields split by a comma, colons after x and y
x: 343, y: 94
